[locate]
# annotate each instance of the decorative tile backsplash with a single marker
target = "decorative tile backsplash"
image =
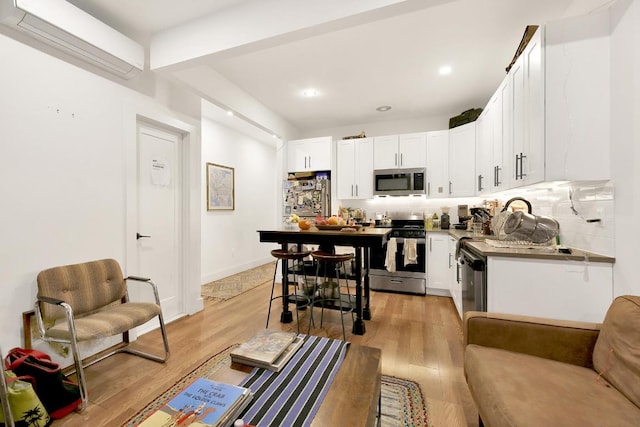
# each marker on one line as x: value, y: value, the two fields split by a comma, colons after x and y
x: 585, y: 210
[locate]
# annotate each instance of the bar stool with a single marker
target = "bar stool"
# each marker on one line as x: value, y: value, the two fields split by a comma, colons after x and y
x: 336, y: 262
x: 298, y: 258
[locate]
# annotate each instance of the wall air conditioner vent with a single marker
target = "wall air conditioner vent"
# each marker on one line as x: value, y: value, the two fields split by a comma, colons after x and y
x: 68, y: 28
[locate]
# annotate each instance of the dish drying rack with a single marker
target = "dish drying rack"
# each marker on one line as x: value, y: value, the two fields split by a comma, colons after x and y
x: 520, y: 244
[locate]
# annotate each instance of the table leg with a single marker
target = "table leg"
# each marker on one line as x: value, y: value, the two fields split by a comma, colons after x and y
x: 366, y: 311
x: 358, y: 324
x: 286, y: 316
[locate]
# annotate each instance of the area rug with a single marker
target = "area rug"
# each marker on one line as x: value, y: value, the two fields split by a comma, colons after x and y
x: 402, y: 400
x: 229, y: 287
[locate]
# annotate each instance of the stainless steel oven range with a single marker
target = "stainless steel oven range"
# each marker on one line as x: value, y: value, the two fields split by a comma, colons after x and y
x: 409, y: 278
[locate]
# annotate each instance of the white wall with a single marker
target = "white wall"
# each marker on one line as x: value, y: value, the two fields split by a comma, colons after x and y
x: 625, y: 147
x: 64, y: 135
x: 229, y: 239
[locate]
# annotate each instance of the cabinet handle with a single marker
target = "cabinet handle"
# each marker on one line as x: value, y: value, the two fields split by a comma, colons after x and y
x: 305, y: 162
x: 430, y: 244
x: 498, y: 169
x: 428, y: 188
x: 450, y: 185
x: 309, y: 162
x: 351, y: 189
x: 458, y: 273
x: 480, y: 183
x: 401, y: 161
x: 449, y: 260
x: 356, y: 190
x: 396, y: 160
x: 522, y: 174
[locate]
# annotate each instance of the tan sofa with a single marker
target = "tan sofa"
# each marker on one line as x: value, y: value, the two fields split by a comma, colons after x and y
x: 525, y: 371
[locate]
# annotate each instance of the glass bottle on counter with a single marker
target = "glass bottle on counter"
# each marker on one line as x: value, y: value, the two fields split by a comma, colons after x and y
x: 428, y: 221
x: 436, y: 221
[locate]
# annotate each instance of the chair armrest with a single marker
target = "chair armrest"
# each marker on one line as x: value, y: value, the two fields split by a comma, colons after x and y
x: 561, y: 340
x: 138, y: 278
x: 49, y: 300
x: 146, y: 280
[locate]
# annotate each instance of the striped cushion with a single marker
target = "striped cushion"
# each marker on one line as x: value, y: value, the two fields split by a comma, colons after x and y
x: 111, y: 321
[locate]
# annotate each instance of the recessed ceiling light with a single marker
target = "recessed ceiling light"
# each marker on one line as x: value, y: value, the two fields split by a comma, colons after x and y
x: 310, y: 93
x: 383, y: 108
x: 444, y: 70
x: 229, y: 113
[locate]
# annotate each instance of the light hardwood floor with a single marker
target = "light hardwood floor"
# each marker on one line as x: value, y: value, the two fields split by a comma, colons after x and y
x: 420, y: 338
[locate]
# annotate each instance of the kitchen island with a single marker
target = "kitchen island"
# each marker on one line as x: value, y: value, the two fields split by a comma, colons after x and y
x: 361, y: 240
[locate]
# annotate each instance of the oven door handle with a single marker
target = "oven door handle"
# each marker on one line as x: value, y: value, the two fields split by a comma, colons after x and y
x: 419, y: 240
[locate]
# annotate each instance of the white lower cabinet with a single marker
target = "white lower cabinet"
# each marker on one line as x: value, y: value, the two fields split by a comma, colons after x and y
x: 557, y: 289
x: 437, y: 264
x: 455, y: 287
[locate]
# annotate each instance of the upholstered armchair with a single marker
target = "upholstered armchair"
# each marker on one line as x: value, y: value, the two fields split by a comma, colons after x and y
x: 89, y: 301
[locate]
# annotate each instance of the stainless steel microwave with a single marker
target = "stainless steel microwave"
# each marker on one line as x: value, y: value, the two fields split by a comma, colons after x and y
x: 398, y: 182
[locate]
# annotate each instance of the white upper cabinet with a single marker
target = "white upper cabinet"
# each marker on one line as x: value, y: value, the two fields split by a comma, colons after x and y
x: 312, y: 154
x: 484, y: 137
x: 462, y: 160
x: 413, y: 150
x: 400, y: 151
x: 577, y: 106
x: 491, y: 127
x: 527, y: 79
x: 355, y: 168
x: 438, y: 164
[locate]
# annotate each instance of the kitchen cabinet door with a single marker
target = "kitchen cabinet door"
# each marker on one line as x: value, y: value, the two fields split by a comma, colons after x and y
x: 438, y: 264
x: 566, y: 290
x: 355, y: 168
x: 527, y: 76
x: 484, y: 138
x: 455, y: 287
x: 502, y: 137
x: 412, y: 150
x: 462, y: 160
x: 404, y: 151
x: 385, y: 152
x: 437, y: 164
x: 312, y: 154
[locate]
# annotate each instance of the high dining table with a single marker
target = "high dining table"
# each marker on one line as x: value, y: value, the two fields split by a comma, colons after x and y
x: 361, y: 240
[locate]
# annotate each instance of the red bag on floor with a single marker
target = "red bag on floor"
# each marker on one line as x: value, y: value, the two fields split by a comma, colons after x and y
x: 58, y: 395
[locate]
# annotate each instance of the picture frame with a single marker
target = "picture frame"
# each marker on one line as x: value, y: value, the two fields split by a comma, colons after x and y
x: 220, y: 187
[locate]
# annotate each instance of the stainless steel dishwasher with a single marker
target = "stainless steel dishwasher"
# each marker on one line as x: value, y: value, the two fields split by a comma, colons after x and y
x: 473, y: 278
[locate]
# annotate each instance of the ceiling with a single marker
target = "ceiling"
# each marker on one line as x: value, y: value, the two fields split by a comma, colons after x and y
x: 388, y: 56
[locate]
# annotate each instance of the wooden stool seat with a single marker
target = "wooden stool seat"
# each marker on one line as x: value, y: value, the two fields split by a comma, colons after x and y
x: 288, y: 255
x: 330, y: 258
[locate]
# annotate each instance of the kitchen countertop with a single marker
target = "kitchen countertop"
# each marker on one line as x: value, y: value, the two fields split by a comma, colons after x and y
x: 541, y: 252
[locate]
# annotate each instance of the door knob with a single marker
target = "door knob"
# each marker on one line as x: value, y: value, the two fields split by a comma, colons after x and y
x: 140, y: 236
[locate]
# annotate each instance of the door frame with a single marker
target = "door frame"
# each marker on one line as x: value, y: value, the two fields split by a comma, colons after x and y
x: 152, y: 114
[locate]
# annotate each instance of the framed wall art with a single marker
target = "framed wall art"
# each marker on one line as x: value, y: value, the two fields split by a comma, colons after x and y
x: 220, y: 188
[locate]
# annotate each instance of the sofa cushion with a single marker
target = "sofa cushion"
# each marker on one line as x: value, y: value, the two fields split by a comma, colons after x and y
x: 515, y: 389
x: 617, y: 352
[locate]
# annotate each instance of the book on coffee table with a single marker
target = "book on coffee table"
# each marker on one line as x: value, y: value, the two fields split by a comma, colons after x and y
x: 204, y: 402
x: 268, y: 349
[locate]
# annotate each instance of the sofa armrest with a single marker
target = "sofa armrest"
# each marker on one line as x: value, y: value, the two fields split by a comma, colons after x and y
x: 561, y: 340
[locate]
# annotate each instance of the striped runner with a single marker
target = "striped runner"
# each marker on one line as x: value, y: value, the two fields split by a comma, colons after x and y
x: 293, y: 396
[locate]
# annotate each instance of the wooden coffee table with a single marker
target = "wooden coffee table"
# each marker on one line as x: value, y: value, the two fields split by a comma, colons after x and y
x: 353, y: 396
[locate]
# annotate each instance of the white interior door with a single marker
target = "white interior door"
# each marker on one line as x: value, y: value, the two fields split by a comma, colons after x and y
x: 158, y: 238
